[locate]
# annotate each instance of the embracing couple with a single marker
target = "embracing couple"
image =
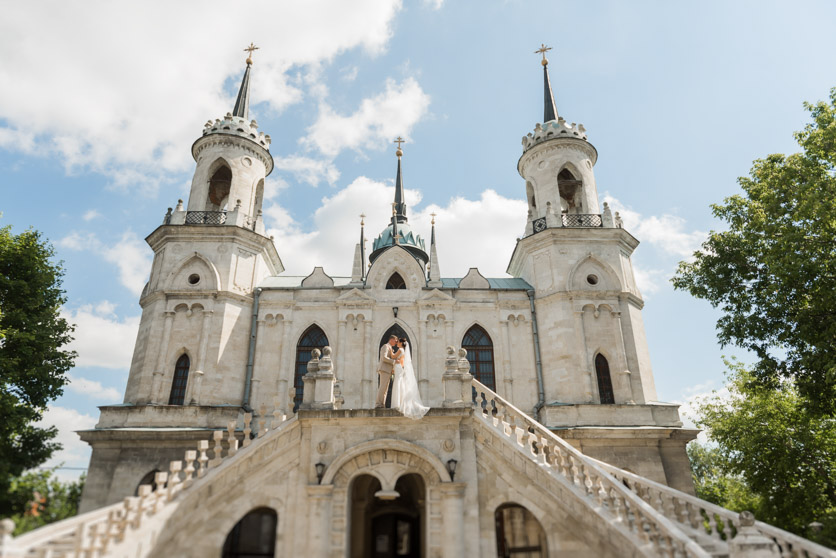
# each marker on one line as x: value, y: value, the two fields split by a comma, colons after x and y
x: 395, y: 358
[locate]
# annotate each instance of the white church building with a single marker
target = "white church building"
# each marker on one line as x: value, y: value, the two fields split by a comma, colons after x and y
x: 249, y: 429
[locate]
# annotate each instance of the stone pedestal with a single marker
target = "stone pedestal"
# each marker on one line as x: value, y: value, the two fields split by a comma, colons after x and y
x: 454, y: 381
x: 749, y: 543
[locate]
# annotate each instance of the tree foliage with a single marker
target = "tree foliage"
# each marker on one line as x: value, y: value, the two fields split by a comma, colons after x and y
x: 42, y: 499
x: 772, y: 454
x: 773, y: 272
x: 33, y: 362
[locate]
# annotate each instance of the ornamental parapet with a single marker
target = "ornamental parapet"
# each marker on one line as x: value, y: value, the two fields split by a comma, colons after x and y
x: 552, y: 130
x: 235, y: 218
x: 237, y: 126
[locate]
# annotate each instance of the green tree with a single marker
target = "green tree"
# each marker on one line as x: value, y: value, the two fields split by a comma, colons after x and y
x: 43, y: 499
x: 773, y: 272
x: 769, y: 443
x: 33, y: 363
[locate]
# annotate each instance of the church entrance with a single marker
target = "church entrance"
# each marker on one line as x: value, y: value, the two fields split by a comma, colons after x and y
x: 384, y: 525
x: 396, y: 329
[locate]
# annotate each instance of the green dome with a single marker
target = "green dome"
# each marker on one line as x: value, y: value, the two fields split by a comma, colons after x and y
x: 408, y: 240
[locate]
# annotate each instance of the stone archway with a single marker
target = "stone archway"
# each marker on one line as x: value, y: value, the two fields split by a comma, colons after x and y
x: 387, y: 461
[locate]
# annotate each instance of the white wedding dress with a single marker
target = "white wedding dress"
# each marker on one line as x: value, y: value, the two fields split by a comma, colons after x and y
x: 405, y: 396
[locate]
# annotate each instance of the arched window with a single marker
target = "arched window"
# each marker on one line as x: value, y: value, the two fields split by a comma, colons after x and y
x: 479, y: 349
x: 570, y: 189
x: 219, y: 186
x: 313, y: 338
x: 602, y: 370
x: 518, y: 533
x: 396, y: 282
x: 178, y: 384
x: 253, y: 536
x: 149, y: 478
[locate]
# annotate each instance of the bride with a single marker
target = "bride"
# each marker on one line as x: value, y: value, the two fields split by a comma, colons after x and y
x: 405, y: 396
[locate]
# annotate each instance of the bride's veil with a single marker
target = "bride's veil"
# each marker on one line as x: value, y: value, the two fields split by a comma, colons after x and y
x: 412, y: 406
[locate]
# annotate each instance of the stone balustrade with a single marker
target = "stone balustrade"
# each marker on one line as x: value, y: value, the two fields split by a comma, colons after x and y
x: 716, y: 522
x: 563, y: 462
x: 94, y: 533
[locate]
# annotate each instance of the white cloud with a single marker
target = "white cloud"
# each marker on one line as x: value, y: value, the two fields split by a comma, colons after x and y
x: 130, y: 255
x: 93, y: 389
x: 666, y: 232
x: 373, y: 125
x: 116, y: 89
x: 310, y: 171
x: 484, y: 229
x: 91, y: 214
x: 74, y: 453
x: 101, y: 338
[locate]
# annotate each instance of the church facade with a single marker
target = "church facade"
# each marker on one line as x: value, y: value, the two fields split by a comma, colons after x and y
x: 248, y: 426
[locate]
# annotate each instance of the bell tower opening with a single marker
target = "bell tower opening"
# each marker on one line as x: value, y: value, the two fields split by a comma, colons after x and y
x: 570, y: 192
x: 219, y: 185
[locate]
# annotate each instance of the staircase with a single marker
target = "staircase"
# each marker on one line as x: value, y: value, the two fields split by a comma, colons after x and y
x: 663, y: 521
x: 638, y: 517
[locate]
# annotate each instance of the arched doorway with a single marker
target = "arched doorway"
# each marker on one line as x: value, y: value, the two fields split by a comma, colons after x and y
x: 518, y: 533
x: 397, y: 330
x: 387, y: 527
x: 254, y: 536
x: 313, y: 338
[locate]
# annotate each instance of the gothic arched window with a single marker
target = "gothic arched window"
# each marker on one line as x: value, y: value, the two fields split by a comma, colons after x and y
x: 219, y: 185
x: 396, y: 282
x: 602, y: 370
x: 479, y: 349
x: 253, y: 536
x: 178, y: 384
x: 570, y: 189
x: 313, y: 338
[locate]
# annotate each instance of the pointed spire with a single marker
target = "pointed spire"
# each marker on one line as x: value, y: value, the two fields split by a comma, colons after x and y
x: 362, y: 245
x: 434, y: 274
x: 400, y: 204
x: 549, y: 110
x: 242, y: 103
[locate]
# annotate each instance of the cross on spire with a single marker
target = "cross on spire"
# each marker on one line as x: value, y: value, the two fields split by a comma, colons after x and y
x: 543, y: 50
x: 399, y: 141
x: 249, y: 50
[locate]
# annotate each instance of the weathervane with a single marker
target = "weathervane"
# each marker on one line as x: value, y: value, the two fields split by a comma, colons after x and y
x: 543, y: 50
x: 399, y: 141
x: 249, y: 50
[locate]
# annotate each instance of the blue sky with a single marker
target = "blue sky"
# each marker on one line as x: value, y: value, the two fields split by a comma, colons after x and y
x: 100, y: 102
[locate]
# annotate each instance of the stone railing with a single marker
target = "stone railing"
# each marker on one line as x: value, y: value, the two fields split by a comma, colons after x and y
x: 646, y: 525
x: 718, y: 523
x: 93, y: 534
x: 234, y: 218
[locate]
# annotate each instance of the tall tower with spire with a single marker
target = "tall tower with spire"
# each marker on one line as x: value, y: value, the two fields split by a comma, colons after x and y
x: 594, y: 355
x: 192, y: 366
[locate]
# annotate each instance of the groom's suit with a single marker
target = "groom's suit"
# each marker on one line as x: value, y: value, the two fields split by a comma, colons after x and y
x: 384, y: 371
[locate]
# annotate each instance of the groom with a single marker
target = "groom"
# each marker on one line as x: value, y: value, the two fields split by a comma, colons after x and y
x: 384, y: 370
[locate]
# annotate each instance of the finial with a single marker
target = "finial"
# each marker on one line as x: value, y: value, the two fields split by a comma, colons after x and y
x: 433, y: 218
x: 394, y: 209
x: 250, y: 50
x: 543, y: 50
x: 362, y: 219
x: 399, y: 141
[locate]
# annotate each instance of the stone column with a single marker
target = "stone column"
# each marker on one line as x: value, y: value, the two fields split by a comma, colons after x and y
x: 448, y: 326
x: 580, y: 330
x: 284, y: 384
x: 309, y: 380
x: 421, y: 368
x: 369, y: 366
x: 507, y: 378
x: 341, y: 347
x: 319, y: 519
x: 452, y: 516
x: 205, y: 328
x: 624, y: 375
x: 159, y: 373
x: 325, y: 379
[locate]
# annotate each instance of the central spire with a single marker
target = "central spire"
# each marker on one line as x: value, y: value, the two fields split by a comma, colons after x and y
x: 242, y: 103
x: 400, y: 204
x: 549, y: 110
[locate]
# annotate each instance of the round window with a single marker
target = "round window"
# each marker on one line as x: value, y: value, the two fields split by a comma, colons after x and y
x: 194, y: 279
x: 592, y: 279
